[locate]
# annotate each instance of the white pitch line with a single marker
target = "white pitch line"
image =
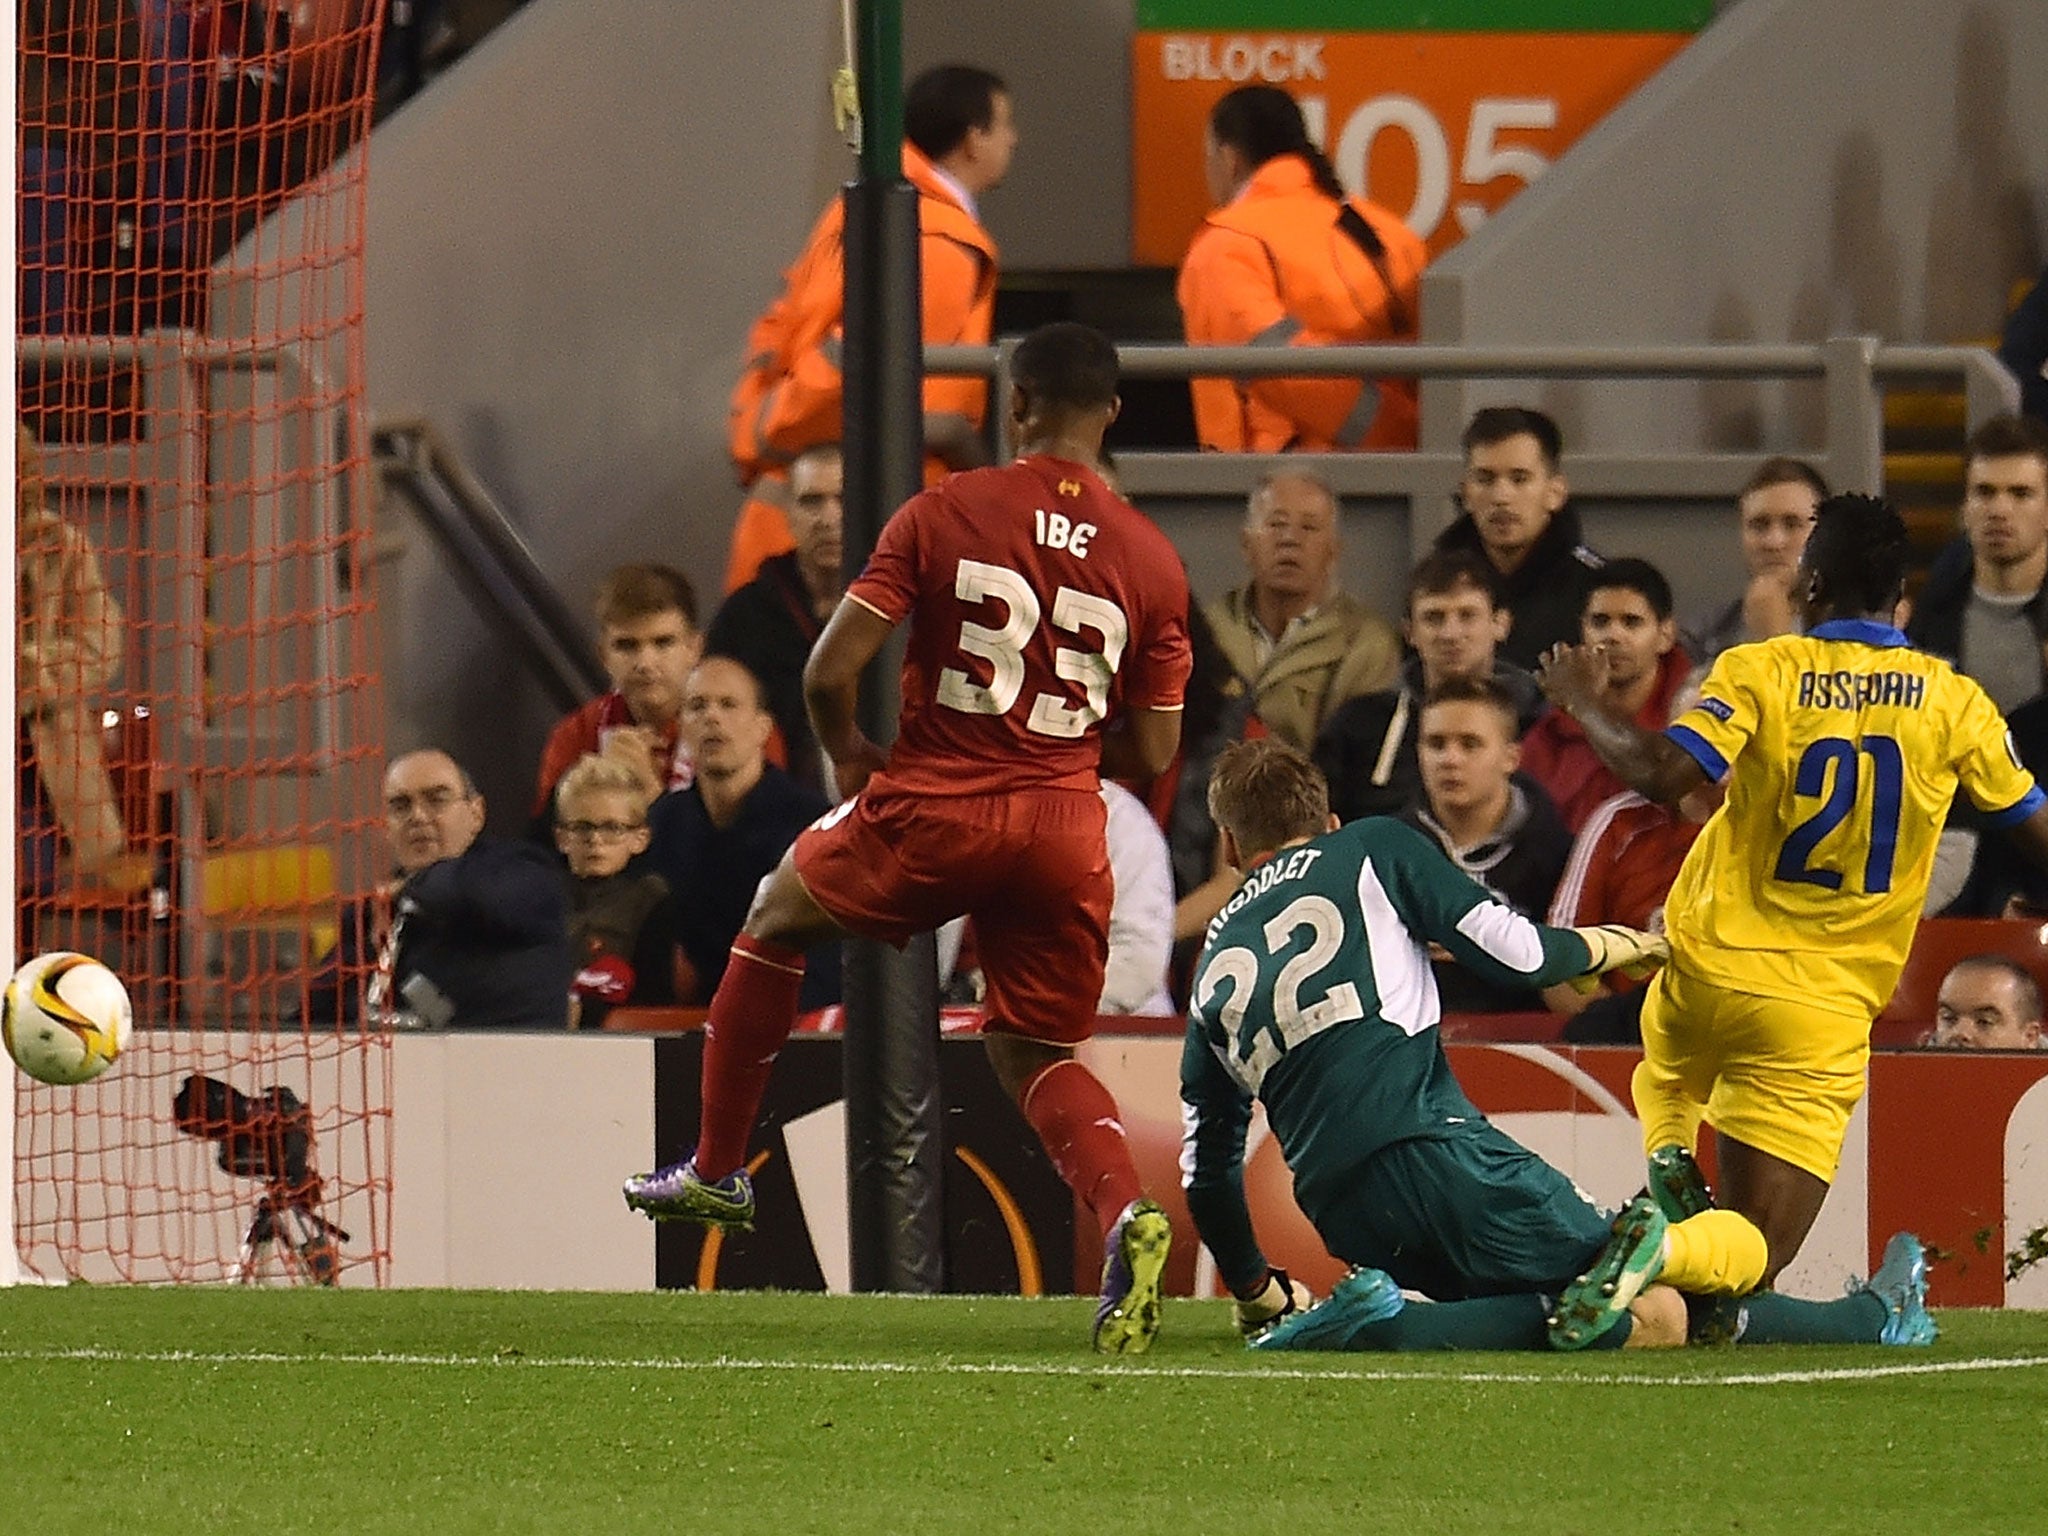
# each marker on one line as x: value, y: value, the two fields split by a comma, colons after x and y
x: 998, y: 1368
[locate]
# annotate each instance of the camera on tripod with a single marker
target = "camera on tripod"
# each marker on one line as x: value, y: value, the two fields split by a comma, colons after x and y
x: 268, y: 1137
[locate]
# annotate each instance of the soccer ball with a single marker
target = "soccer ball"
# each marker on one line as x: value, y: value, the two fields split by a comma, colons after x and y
x: 65, y: 1018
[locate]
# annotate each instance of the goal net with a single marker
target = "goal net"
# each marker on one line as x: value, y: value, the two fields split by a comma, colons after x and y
x: 198, y: 720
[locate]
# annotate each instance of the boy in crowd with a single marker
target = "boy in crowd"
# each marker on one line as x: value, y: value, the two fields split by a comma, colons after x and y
x: 622, y: 922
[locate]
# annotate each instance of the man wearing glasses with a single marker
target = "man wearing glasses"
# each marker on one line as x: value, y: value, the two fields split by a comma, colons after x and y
x: 470, y: 933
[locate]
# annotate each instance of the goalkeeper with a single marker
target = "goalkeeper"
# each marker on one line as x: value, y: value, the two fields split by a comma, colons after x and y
x: 1314, y: 994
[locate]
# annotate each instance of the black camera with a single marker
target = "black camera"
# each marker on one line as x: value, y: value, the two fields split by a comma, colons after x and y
x: 267, y: 1137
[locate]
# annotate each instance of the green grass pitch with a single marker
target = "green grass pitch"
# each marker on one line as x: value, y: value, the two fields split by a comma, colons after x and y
x: 129, y: 1411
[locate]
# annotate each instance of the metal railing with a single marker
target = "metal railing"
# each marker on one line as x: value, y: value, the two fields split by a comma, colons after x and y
x: 491, y: 559
x: 1852, y: 370
x: 169, y: 471
x: 238, y: 692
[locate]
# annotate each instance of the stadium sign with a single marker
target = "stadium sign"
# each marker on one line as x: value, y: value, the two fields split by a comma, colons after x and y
x: 1440, y: 110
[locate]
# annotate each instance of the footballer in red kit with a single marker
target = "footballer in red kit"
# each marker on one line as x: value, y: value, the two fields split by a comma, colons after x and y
x: 1041, y: 606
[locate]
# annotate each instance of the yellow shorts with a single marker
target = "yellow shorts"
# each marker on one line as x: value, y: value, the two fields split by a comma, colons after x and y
x: 1782, y: 1077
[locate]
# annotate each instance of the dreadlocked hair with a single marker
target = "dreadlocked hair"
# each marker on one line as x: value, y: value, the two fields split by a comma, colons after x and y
x: 1859, y: 550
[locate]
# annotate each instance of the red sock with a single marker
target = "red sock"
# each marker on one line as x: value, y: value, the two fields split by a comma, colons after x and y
x: 1076, y: 1118
x: 752, y: 1013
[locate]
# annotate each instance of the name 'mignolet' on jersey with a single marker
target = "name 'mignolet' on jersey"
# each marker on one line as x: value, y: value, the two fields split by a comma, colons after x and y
x: 1314, y: 993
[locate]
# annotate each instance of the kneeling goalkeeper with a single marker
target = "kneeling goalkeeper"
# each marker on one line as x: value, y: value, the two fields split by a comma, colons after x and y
x: 1314, y: 994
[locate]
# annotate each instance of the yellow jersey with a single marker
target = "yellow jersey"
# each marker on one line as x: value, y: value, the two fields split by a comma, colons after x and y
x: 1842, y: 750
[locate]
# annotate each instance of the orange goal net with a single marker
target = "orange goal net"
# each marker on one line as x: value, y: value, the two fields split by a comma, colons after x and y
x: 198, y: 718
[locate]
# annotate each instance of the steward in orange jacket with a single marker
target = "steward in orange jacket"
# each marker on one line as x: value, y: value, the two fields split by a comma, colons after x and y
x: 958, y: 122
x: 1287, y: 260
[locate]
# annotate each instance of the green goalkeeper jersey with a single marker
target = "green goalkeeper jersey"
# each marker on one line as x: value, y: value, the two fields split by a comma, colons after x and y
x: 1314, y: 994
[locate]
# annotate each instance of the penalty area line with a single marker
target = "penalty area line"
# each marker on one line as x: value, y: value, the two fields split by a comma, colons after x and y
x: 512, y: 1360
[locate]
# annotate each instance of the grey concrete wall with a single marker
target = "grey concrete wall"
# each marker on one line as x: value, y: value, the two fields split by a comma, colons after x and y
x: 1805, y: 168
x: 1067, y: 200
x: 568, y: 236
x: 570, y: 233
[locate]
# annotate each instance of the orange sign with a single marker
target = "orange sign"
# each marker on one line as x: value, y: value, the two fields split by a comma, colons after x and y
x: 1440, y: 127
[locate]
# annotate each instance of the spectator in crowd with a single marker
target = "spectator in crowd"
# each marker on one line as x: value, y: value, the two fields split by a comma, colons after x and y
x: 1287, y: 259
x: 648, y: 637
x: 1621, y: 869
x: 622, y: 921
x: 1988, y: 1003
x: 715, y: 840
x: 1518, y: 515
x: 961, y: 134
x: 1982, y: 607
x: 1628, y: 621
x: 1455, y: 624
x: 1141, y: 911
x: 67, y: 644
x: 2023, y: 348
x: 770, y: 624
x: 1492, y: 822
x: 1302, y: 646
x: 1774, y: 514
x: 471, y: 932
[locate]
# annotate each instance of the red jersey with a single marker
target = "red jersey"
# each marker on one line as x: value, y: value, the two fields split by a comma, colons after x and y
x: 1556, y: 754
x: 1039, y: 604
x: 585, y: 729
x: 1622, y: 865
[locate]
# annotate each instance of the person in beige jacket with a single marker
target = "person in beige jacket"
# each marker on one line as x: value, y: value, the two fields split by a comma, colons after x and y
x: 1302, y: 646
x: 67, y: 647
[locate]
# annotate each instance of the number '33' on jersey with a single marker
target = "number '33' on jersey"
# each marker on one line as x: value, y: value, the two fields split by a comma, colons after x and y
x: 1040, y: 604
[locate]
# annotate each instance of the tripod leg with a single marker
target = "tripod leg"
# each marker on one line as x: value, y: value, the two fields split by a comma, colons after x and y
x: 255, y: 1245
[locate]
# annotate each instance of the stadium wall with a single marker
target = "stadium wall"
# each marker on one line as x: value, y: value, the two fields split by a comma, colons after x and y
x: 1805, y: 168
x: 569, y: 236
x: 508, y: 1150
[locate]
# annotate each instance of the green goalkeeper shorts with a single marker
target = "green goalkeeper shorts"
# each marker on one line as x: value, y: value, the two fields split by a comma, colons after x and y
x: 1470, y: 1213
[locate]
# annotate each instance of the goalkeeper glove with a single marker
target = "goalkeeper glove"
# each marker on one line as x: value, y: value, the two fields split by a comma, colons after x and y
x: 1615, y: 948
x: 1281, y: 1295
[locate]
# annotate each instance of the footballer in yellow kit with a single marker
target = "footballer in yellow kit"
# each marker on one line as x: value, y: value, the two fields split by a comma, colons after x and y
x: 1841, y: 750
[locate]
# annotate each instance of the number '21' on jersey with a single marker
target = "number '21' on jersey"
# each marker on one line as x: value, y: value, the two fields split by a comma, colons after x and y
x: 1842, y: 750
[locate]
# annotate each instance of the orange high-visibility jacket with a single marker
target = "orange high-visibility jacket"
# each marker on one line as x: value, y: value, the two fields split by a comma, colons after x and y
x: 789, y: 396
x: 1273, y: 267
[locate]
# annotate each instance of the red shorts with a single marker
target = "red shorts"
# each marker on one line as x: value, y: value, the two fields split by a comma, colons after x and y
x: 1031, y: 870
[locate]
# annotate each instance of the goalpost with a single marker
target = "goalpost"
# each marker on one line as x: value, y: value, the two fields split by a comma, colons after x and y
x: 196, y: 623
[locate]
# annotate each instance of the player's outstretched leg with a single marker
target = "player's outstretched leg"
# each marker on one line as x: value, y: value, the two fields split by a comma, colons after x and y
x: 1593, y: 1304
x: 1133, y: 1265
x: 1890, y: 1308
x: 677, y: 1192
x: 752, y: 1013
x: 1361, y: 1298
